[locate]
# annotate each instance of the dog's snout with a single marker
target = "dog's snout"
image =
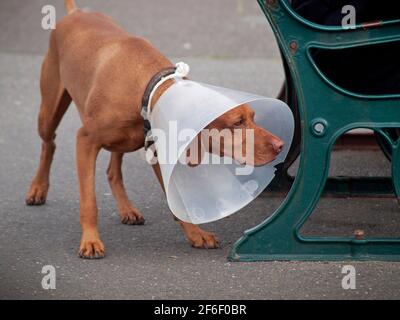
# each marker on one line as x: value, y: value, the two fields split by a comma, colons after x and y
x: 277, y: 145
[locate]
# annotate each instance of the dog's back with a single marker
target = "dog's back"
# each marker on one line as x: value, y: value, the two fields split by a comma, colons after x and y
x: 95, y: 47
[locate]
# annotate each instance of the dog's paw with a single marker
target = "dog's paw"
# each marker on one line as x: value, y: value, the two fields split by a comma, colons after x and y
x: 91, y: 248
x: 37, y: 194
x: 131, y: 216
x: 201, y: 239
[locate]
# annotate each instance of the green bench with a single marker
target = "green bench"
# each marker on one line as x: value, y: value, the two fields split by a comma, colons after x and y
x: 325, y: 111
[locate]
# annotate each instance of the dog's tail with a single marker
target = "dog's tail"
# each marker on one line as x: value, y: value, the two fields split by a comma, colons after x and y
x: 70, y: 5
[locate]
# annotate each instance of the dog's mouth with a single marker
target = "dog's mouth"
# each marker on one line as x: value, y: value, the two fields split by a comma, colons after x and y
x: 244, y: 162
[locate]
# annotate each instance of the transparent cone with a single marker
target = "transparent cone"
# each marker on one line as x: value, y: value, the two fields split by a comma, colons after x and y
x: 209, y: 192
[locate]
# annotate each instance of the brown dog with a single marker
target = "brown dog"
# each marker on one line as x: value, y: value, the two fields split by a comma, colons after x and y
x: 105, y: 71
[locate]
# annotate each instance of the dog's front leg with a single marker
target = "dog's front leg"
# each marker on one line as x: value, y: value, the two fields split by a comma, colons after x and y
x: 197, y: 237
x: 127, y: 211
x: 91, y: 246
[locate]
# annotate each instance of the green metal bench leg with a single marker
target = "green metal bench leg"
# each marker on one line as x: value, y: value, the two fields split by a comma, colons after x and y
x: 396, y: 169
x: 394, y: 147
x: 322, y: 105
x: 279, y: 238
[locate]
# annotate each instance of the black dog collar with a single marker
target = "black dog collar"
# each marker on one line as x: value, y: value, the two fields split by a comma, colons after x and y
x: 145, y: 101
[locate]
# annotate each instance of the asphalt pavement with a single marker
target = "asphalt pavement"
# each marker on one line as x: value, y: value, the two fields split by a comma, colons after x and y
x: 227, y: 43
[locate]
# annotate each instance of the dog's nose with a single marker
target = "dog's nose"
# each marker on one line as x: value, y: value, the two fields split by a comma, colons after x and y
x: 277, y: 145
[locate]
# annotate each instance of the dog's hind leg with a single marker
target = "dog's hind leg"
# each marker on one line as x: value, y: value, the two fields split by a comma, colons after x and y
x: 55, y: 101
x: 128, y: 213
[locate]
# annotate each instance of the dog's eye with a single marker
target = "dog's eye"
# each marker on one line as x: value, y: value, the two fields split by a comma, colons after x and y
x: 238, y: 123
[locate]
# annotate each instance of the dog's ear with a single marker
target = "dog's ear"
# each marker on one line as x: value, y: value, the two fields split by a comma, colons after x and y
x: 195, y: 152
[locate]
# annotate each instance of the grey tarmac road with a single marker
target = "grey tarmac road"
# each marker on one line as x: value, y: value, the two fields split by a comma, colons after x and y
x: 227, y: 43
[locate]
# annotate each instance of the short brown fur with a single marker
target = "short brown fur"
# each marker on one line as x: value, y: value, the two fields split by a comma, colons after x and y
x: 105, y: 71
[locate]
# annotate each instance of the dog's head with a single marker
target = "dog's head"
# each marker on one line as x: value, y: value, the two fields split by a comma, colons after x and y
x: 236, y: 135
